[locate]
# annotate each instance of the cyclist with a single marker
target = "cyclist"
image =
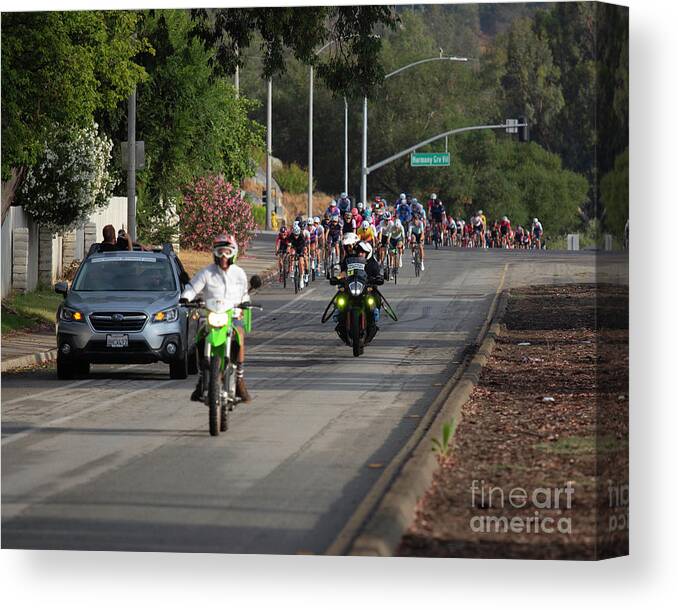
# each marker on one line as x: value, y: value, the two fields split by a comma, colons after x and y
x: 344, y: 203
x: 415, y: 237
x: 320, y: 236
x: 518, y: 237
x: 366, y: 233
x: 333, y: 236
x: 478, y: 229
x: 312, y: 244
x: 495, y: 241
x: 383, y: 233
x: 281, y: 247
x: 537, y: 232
x: 223, y: 279
x: 397, y: 241
x: 404, y: 212
x: 332, y: 209
x: 298, y: 246
x: 505, y: 230
x: 349, y: 225
x: 417, y: 210
x: 437, y: 212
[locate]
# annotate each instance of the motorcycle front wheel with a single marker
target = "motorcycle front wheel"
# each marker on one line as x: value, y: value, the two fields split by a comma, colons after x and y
x: 214, y: 395
x: 355, y: 331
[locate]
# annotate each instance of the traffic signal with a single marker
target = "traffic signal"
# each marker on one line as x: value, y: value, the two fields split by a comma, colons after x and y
x: 523, y: 132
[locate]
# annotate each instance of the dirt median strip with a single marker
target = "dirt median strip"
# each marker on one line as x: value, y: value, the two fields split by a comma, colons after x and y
x: 538, y: 466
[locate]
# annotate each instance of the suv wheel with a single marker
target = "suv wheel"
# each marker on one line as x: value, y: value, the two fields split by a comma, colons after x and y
x: 179, y: 367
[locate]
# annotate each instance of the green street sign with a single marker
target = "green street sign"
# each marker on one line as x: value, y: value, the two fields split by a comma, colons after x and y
x: 429, y: 159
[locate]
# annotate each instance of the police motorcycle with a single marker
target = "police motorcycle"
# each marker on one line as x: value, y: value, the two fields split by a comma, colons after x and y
x: 354, y: 305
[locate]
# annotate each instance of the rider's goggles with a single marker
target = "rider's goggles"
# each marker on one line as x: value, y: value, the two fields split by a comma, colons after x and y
x: 224, y: 251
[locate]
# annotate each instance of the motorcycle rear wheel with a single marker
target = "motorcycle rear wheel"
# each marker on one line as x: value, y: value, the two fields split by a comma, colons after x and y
x: 355, y: 332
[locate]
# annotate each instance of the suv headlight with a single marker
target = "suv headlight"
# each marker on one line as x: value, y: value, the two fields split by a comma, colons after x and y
x: 72, y: 315
x: 166, y: 315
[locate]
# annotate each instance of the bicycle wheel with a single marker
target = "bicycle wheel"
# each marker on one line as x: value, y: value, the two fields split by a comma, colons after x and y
x: 297, y: 279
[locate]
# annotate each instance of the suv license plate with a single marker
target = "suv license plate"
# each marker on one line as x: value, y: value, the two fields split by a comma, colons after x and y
x: 117, y: 340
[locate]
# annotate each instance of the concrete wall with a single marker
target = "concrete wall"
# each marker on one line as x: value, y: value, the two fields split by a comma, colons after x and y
x: 46, y: 260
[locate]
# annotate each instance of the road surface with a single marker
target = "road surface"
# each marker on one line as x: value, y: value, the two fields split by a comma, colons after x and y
x: 123, y: 460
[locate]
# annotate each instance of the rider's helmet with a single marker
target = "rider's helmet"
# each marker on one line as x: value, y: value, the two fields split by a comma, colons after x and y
x: 224, y: 246
x: 535, y: 221
x: 480, y: 212
x: 387, y: 215
x: 377, y: 199
x: 398, y: 223
x: 297, y: 229
x: 349, y: 241
x: 360, y: 206
x: 366, y: 248
x: 316, y: 220
x: 366, y: 224
x: 309, y: 222
x: 283, y: 230
x: 335, y: 218
x: 505, y: 218
x: 434, y: 196
x: 403, y: 196
x: 343, y: 196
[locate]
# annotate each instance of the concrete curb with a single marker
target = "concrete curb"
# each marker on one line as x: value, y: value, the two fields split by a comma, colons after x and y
x: 379, y: 522
x: 21, y: 362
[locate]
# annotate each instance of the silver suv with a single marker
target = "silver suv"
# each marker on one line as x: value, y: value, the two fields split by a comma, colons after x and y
x: 123, y: 307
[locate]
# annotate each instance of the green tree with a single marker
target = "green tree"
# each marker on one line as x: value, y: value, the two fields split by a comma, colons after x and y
x: 614, y: 190
x: 190, y: 119
x: 61, y: 67
x: 532, y: 81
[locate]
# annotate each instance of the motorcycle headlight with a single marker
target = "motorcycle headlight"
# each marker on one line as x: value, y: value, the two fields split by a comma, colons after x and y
x: 356, y: 288
x: 167, y: 315
x: 71, y: 315
x: 217, y: 319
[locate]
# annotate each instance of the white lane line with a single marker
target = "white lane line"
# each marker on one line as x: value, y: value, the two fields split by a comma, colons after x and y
x: 60, y: 420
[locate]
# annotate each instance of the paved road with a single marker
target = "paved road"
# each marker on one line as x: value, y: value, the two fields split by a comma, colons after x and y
x: 123, y: 461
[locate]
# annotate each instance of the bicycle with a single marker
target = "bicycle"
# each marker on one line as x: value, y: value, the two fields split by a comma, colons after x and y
x: 296, y: 274
x: 416, y: 260
x: 397, y: 257
x: 283, y: 270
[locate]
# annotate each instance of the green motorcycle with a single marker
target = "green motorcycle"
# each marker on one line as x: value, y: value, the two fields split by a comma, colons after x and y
x: 218, y: 364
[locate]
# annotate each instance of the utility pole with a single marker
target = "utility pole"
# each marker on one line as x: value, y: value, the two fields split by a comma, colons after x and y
x: 237, y: 74
x: 131, y: 165
x: 269, y: 152
x: 363, y: 177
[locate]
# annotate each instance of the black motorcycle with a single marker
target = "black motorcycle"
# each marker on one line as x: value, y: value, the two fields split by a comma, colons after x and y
x: 356, y: 299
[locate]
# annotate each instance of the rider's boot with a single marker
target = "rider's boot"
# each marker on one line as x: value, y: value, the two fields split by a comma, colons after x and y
x: 197, y: 393
x: 241, y: 390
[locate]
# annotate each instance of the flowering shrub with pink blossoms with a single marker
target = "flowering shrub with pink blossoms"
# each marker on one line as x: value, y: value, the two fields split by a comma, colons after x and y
x: 212, y: 206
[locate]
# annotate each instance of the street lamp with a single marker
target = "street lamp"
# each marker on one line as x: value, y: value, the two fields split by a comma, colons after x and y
x: 310, y: 135
x: 363, y: 181
x: 310, y: 128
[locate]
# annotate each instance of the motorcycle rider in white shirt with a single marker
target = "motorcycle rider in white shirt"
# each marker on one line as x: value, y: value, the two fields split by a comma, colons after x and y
x: 224, y: 280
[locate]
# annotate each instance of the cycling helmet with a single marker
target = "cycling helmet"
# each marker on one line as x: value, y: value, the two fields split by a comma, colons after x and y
x: 333, y: 203
x: 366, y: 224
x: 505, y: 218
x: 224, y: 246
x: 366, y: 248
x: 398, y: 223
x: 377, y: 199
x: 316, y: 220
x: 360, y: 206
x: 536, y: 220
x: 283, y: 229
x: 480, y: 212
x: 387, y: 215
x: 309, y: 222
x: 403, y: 196
x: 343, y: 196
x: 335, y: 218
x: 350, y: 239
x: 434, y: 196
x: 296, y: 230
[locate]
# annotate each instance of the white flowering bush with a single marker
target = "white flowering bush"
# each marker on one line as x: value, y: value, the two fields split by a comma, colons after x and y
x: 70, y: 178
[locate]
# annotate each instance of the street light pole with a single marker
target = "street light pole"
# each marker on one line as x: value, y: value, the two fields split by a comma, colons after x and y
x: 269, y: 152
x: 345, y: 145
x: 364, y: 172
x: 310, y: 145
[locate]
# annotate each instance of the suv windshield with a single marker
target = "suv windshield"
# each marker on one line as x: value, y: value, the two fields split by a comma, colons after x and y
x: 126, y: 273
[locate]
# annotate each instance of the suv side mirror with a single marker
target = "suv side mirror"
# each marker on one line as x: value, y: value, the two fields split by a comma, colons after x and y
x: 61, y: 288
x: 255, y: 282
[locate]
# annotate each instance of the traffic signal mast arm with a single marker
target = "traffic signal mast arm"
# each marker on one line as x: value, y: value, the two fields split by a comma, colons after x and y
x: 402, y: 153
